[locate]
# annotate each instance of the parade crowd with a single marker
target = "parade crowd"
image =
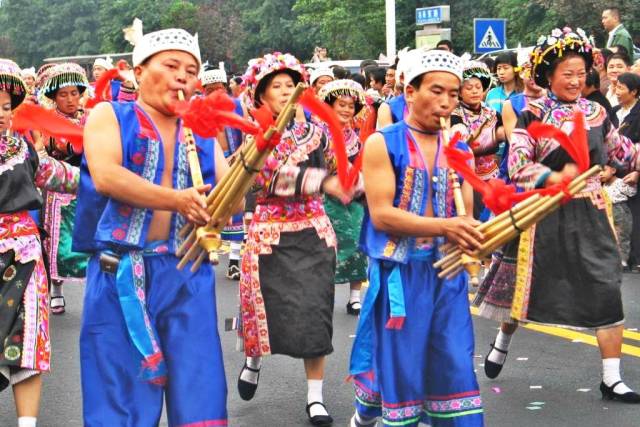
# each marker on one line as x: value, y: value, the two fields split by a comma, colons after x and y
x: 97, y: 185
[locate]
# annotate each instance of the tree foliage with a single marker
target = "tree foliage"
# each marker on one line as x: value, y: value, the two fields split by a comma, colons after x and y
x: 236, y: 30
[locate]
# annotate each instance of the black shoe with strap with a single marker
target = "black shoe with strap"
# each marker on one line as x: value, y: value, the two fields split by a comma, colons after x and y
x: 609, y: 394
x: 319, y: 420
x: 247, y: 390
x: 353, y: 308
x: 492, y: 369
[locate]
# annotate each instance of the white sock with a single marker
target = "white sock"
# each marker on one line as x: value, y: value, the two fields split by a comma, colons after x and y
x: 354, y: 295
x: 502, y: 342
x: 56, y: 290
x: 314, y: 394
x: 235, y: 250
x: 27, y: 421
x: 611, y: 375
x: 250, y: 376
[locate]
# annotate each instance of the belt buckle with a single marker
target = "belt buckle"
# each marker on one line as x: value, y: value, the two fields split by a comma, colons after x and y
x: 109, y: 262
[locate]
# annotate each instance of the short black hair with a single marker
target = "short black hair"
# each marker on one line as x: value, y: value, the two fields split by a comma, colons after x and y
x: 367, y: 62
x: 238, y: 80
x: 490, y: 63
x: 615, y: 11
x: 445, y: 42
x: 621, y: 56
x: 340, y: 72
x: 378, y: 75
x: 621, y: 49
x: 509, y: 58
x: 631, y: 81
x: 358, y: 78
x: 593, y: 79
x: 559, y: 60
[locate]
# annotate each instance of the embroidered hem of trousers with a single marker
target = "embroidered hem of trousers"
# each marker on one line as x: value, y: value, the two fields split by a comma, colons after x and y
x: 182, y: 307
x: 423, y: 372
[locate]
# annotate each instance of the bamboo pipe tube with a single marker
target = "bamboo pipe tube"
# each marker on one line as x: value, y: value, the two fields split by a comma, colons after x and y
x: 542, y: 210
x: 472, y: 265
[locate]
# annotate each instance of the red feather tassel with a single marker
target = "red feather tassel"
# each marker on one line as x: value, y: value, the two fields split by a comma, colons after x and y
x: 327, y: 115
x: 102, y: 84
x: 30, y: 117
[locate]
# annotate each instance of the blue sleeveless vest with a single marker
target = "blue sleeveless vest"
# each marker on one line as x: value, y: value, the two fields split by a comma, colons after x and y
x: 412, y: 179
x: 518, y: 102
x: 398, y: 106
x: 121, y: 227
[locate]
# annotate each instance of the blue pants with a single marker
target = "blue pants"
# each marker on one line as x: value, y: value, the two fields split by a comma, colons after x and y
x: 423, y: 371
x: 183, y: 311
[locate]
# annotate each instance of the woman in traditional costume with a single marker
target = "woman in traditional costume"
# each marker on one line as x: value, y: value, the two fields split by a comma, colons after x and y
x: 64, y: 86
x: 288, y: 266
x: 25, y: 346
x: 347, y: 99
x: 569, y: 270
x: 481, y: 125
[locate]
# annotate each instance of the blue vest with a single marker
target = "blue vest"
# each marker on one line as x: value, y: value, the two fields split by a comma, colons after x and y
x: 518, y: 102
x: 88, y: 211
x: 412, y: 178
x: 121, y: 227
x: 398, y: 106
x: 115, y: 89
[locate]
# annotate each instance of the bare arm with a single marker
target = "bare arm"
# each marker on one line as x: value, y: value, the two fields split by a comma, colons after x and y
x: 379, y: 183
x: 103, y: 150
x: 509, y: 118
x: 384, y: 116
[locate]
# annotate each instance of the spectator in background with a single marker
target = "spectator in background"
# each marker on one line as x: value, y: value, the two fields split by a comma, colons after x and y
x: 366, y: 63
x: 592, y: 92
x: 600, y: 58
x: 367, y: 74
x: 620, y: 49
x: 389, y: 82
x: 377, y: 82
x: 510, y: 81
x: 235, y: 86
x: 635, y: 68
x: 628, y: 109
x: 339, y: 72
x: 320, y: 77
x: 617, y: 64
x: 358, y: 78
x: 618, y: 34
x: 445, y: 45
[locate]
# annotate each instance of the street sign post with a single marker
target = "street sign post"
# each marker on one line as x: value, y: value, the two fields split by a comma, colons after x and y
x: 489, y: 34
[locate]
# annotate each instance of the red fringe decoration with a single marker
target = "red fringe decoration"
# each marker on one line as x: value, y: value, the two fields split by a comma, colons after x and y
x: 264, y: 117
x: 366, y: 130
x: 576, y: 145
x: 208, y: 116
x: 103, y: 88
x: 395, y: 323
x: 327, y: 115
x: 30, y: 117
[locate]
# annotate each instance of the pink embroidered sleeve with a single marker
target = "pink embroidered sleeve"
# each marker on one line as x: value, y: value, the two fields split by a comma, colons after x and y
x: 622, y: 154
x: 524, y: 170
x: 126, y: 95
x: 54, y: 175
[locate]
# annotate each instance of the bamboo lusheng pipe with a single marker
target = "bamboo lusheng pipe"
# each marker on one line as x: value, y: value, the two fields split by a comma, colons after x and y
x: 540, y: 210
x: 233, y: 187
x: 525, y: 218
x: 471, y: 264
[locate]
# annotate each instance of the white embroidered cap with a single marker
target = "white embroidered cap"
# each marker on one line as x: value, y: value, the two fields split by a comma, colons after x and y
x: 319, y: 72
x: 160, y: 41
x: 420, y: 62
x: 105, y: 63
x: 215, y: 75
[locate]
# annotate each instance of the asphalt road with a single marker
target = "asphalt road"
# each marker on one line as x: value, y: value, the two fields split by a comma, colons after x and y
x: 551, y: 378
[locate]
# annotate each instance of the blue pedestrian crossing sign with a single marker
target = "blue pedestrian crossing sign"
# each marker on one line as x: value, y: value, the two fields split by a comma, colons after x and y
x: 489, y: 34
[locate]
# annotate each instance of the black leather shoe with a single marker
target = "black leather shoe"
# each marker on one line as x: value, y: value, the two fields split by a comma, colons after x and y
x: 247, y: 390
x: 319, y: 420
x: 492, y: 369
x: 353, y: 308
x: 609, y: 394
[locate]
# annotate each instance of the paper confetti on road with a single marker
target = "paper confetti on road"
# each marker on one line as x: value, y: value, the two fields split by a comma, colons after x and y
x: 535, y: 387
x: 522, y: 358
x: 536, y: 403
x: 576, y: 340
x: 496, y: 390
x: 584, y: 390
x: 352, y: 336
x: 533, y: 408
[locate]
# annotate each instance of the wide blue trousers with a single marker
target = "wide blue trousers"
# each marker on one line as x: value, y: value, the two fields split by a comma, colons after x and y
x: 182, y: 307
x: 424, y: 371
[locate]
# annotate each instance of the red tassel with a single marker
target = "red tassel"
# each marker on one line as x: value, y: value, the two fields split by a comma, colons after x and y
x: 102, y: 84
x: 159, y: 381
x: 327, y: 115
x: 30, y: 117
x: 576, y: 145
x: 152, y: 362
x: 395, y: 323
